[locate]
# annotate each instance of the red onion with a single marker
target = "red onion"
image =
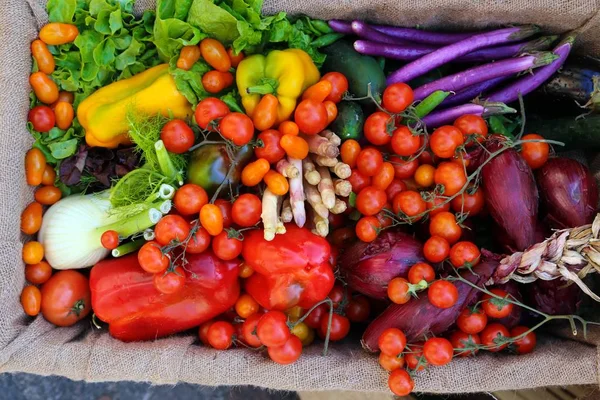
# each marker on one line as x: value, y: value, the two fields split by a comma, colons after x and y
x: 569, y: 192
x: 554, y: 297
x: 511, y: 195
x: 368, y: 267
x: 419, y: 317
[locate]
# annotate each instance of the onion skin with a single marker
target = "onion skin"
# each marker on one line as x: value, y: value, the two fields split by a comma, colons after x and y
x: 511, y: 195
x: 368, y: 267
x: 419, y: 317
x: 568, y: 191
x: 553, y: 297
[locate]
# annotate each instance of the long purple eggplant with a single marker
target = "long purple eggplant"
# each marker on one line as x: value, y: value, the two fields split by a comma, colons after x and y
x: 364, y: 31
x: 482, y: 73
x: 394, y: 51
x: 510, y: 50
x: 529, y: 83
x: 451, y: 52
x: 340, y: 26
x: 421, y: 36
x: 472, y: 92
x: 448, y: 115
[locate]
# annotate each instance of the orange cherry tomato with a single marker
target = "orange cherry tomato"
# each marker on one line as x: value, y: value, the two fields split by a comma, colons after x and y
x: 31, y: 300
x: 277, y: 183
x: 410, y: 203
x: 31, y: 218
x: 245, y: 306
x: 215, y: 54
x: 236, y: 59
x: 44, y: 88
x: 294, y: 146
x: 289, y: 128
x: 318, y: 92
x: 253, y: 173
x: 35, y: 164
x: 211, y: 219
x: 33, y: 252
x: 42, y: 56
x: 265, y: 113
x: 245, y: 270
x: 49, y: 176
x: 64, y: 114
x: 384, y: 177
x: 424, y: 175
x: 349, y: 152
x: 332, y: 111
x: 56, y: 33
x: 38, y: 273
x: 188, y: 56
x: 339, y: 86
x: 48, y: 195
x: 216, y: 81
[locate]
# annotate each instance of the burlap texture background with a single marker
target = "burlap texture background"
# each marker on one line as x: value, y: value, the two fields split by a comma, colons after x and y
x: 80, y: 352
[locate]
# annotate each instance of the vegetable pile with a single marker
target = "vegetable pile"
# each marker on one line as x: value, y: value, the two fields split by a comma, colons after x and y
x: 265, y: 180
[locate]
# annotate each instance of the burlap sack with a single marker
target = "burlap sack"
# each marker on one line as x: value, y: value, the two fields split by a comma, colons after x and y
x: 81, y: 352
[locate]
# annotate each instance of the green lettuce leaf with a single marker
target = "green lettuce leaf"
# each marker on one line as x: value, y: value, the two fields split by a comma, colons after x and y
x: 171, y: 31
x: 61, y: 10
x: 213, y: 20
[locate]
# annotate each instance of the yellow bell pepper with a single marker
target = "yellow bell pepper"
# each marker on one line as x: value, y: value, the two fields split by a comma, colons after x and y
x: 103, y: 114
x: 284, y: 73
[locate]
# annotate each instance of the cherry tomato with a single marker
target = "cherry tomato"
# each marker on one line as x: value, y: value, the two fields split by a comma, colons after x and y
x: 527, y: 343
x: 42, y: 118
x: 384, y: 177
x: 288, y: 352
x: 246, y: 210
x: 47, y: 195
x: 419, y: 272
x: 359, y: 181
x: 370, y: 200
x: 392, y: 341
x: 169, y: 282
x: 339, y: 86
x: 340, y: 326
x: 368, y: 228
x: 236, y: 59
x: 188, y: 56
x: 397, y: 97
x: 56, y: 33
x: 444, y: 141
x: 469, y: 203
x: 379, y: 127
x: 398, y: 291
x: 276, y: 183
x: 465, y: 341
x: 211, y: 219
x: 198, y: 242
x: 349, y: 152
x: 311, y: 116
x: 254, y: 172
x: 438, y: 351
x: 535, y: 153
x: 358, y: 309
x: 436, y: 249
x: 110, y: 240
x: 216, y: 81
x: 209, y: 111
x: 265, y: 113
x: 424, y: 175
x: 471, y: 321
x: 226, y: 248
x: 45, y: 89
x: 38, y: 273
x: 451, y: 176
x: 49, y: 176
x: 437, y: 205
x: 270, y: 150
x: 31, y: 218
x: 294, y: 146
x: 337, y: 295
x: 31, y: 300
x: 35, y: 164
x: 63, y: 114
x: 189, y: 199
x: 470, y: 124
x: 464, y: 254
x: 220, y: 335
x: 215, y: 54
x: 177, y: 136
x: 152, y: 259
x: 313, y: 320
x: 245, y: 306
x: 237, y: 127
x: 403, y: 169
x: 410, y: 203
x: 391, y: 363
x: 66, y: 298
x: 344, y: 235
x: 318, y: 92
x: 249, y: 330
x: 42, y: 56
x: 442, y: 294
x: 444, y: 224
x: 414, y: 359
x: 395, y: 187
x: 225, y: 206
x: 170, y: 229
x: 404, y: 142
x: 496, y: 307
x: 494, y: 335
x: 203, y: 331
x: 272, y: 329
x: 289, y: 128
x: 33, y: 252
x: 400, y: 382
x: 332, y: 111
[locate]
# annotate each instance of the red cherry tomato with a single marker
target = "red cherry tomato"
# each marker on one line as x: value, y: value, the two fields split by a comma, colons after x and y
x: 442, y: 294
x: 246, y: 210
x: 42, y: 118
x: 177, y: 136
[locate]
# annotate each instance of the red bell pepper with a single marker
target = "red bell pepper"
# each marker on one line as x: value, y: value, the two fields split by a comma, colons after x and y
x: 123, y: 295
x: 292, y: 269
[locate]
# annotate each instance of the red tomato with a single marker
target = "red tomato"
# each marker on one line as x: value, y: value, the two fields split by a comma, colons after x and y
x: 66, y: 298
x: 395, y: 187
x: 177, y: 136
x: 465, y: 344
x: 340, y: 326
x: 436, y: 249
x: 152, y: 259
x: 336, y: 295
x: 271, y: 150
x: 209, y: 111
x: 272, y: 329
x: 368, y: 228
x: 444, y: 224
x: 249, y: 330
x: 469, y: 203
x: 237, y: 127
x: 400, y: 382
x: 169, y: 282
x: 246, y: 210
x: 397, y: 97
x: 445, y: 140
x: 527, y: 343
x: 451, y: 176
x: 392, y: 341
x: 220, y: 335
x: 496, y: 307
x: 398, y: 291
x: 379, y: 128
x: 339, y: 86
x: 419, y: 272
x: 42, y: 118
x: 464, y: 254
x: 313, y: 320
x: 442, y: 294
x: 203, y: 331
x: 236, y: 59
x: 404, y: 142
x: 438, y: 351
x: 359, y: 181
x: 226, y: 248
x: 535, y: 153
x: 470, y: 124
x: 384, y: 177
x: 288, y: 352
x: 403, y: 169
x: 358, y: 309
x: 189, y: 199
x: 38, y: 273
x: 369, y: 161
x: 311, y: 116
x: 171, y: 228
x: 471, y: 321
x: 226, y: 209
x: 110, y: 240
x: 391, y: 363
x: 437, y: 205
x: 410, y: 203
x: 414, y: 358
x: 198, y: 242
x: 494, y: 336
x: 215, y: 81
x: 370, y: 200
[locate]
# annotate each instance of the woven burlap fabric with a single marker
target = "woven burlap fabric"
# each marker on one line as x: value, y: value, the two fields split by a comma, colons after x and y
x: 80, y: 352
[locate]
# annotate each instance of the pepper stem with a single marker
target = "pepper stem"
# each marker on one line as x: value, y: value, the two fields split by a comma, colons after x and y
x: 265, y: 86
